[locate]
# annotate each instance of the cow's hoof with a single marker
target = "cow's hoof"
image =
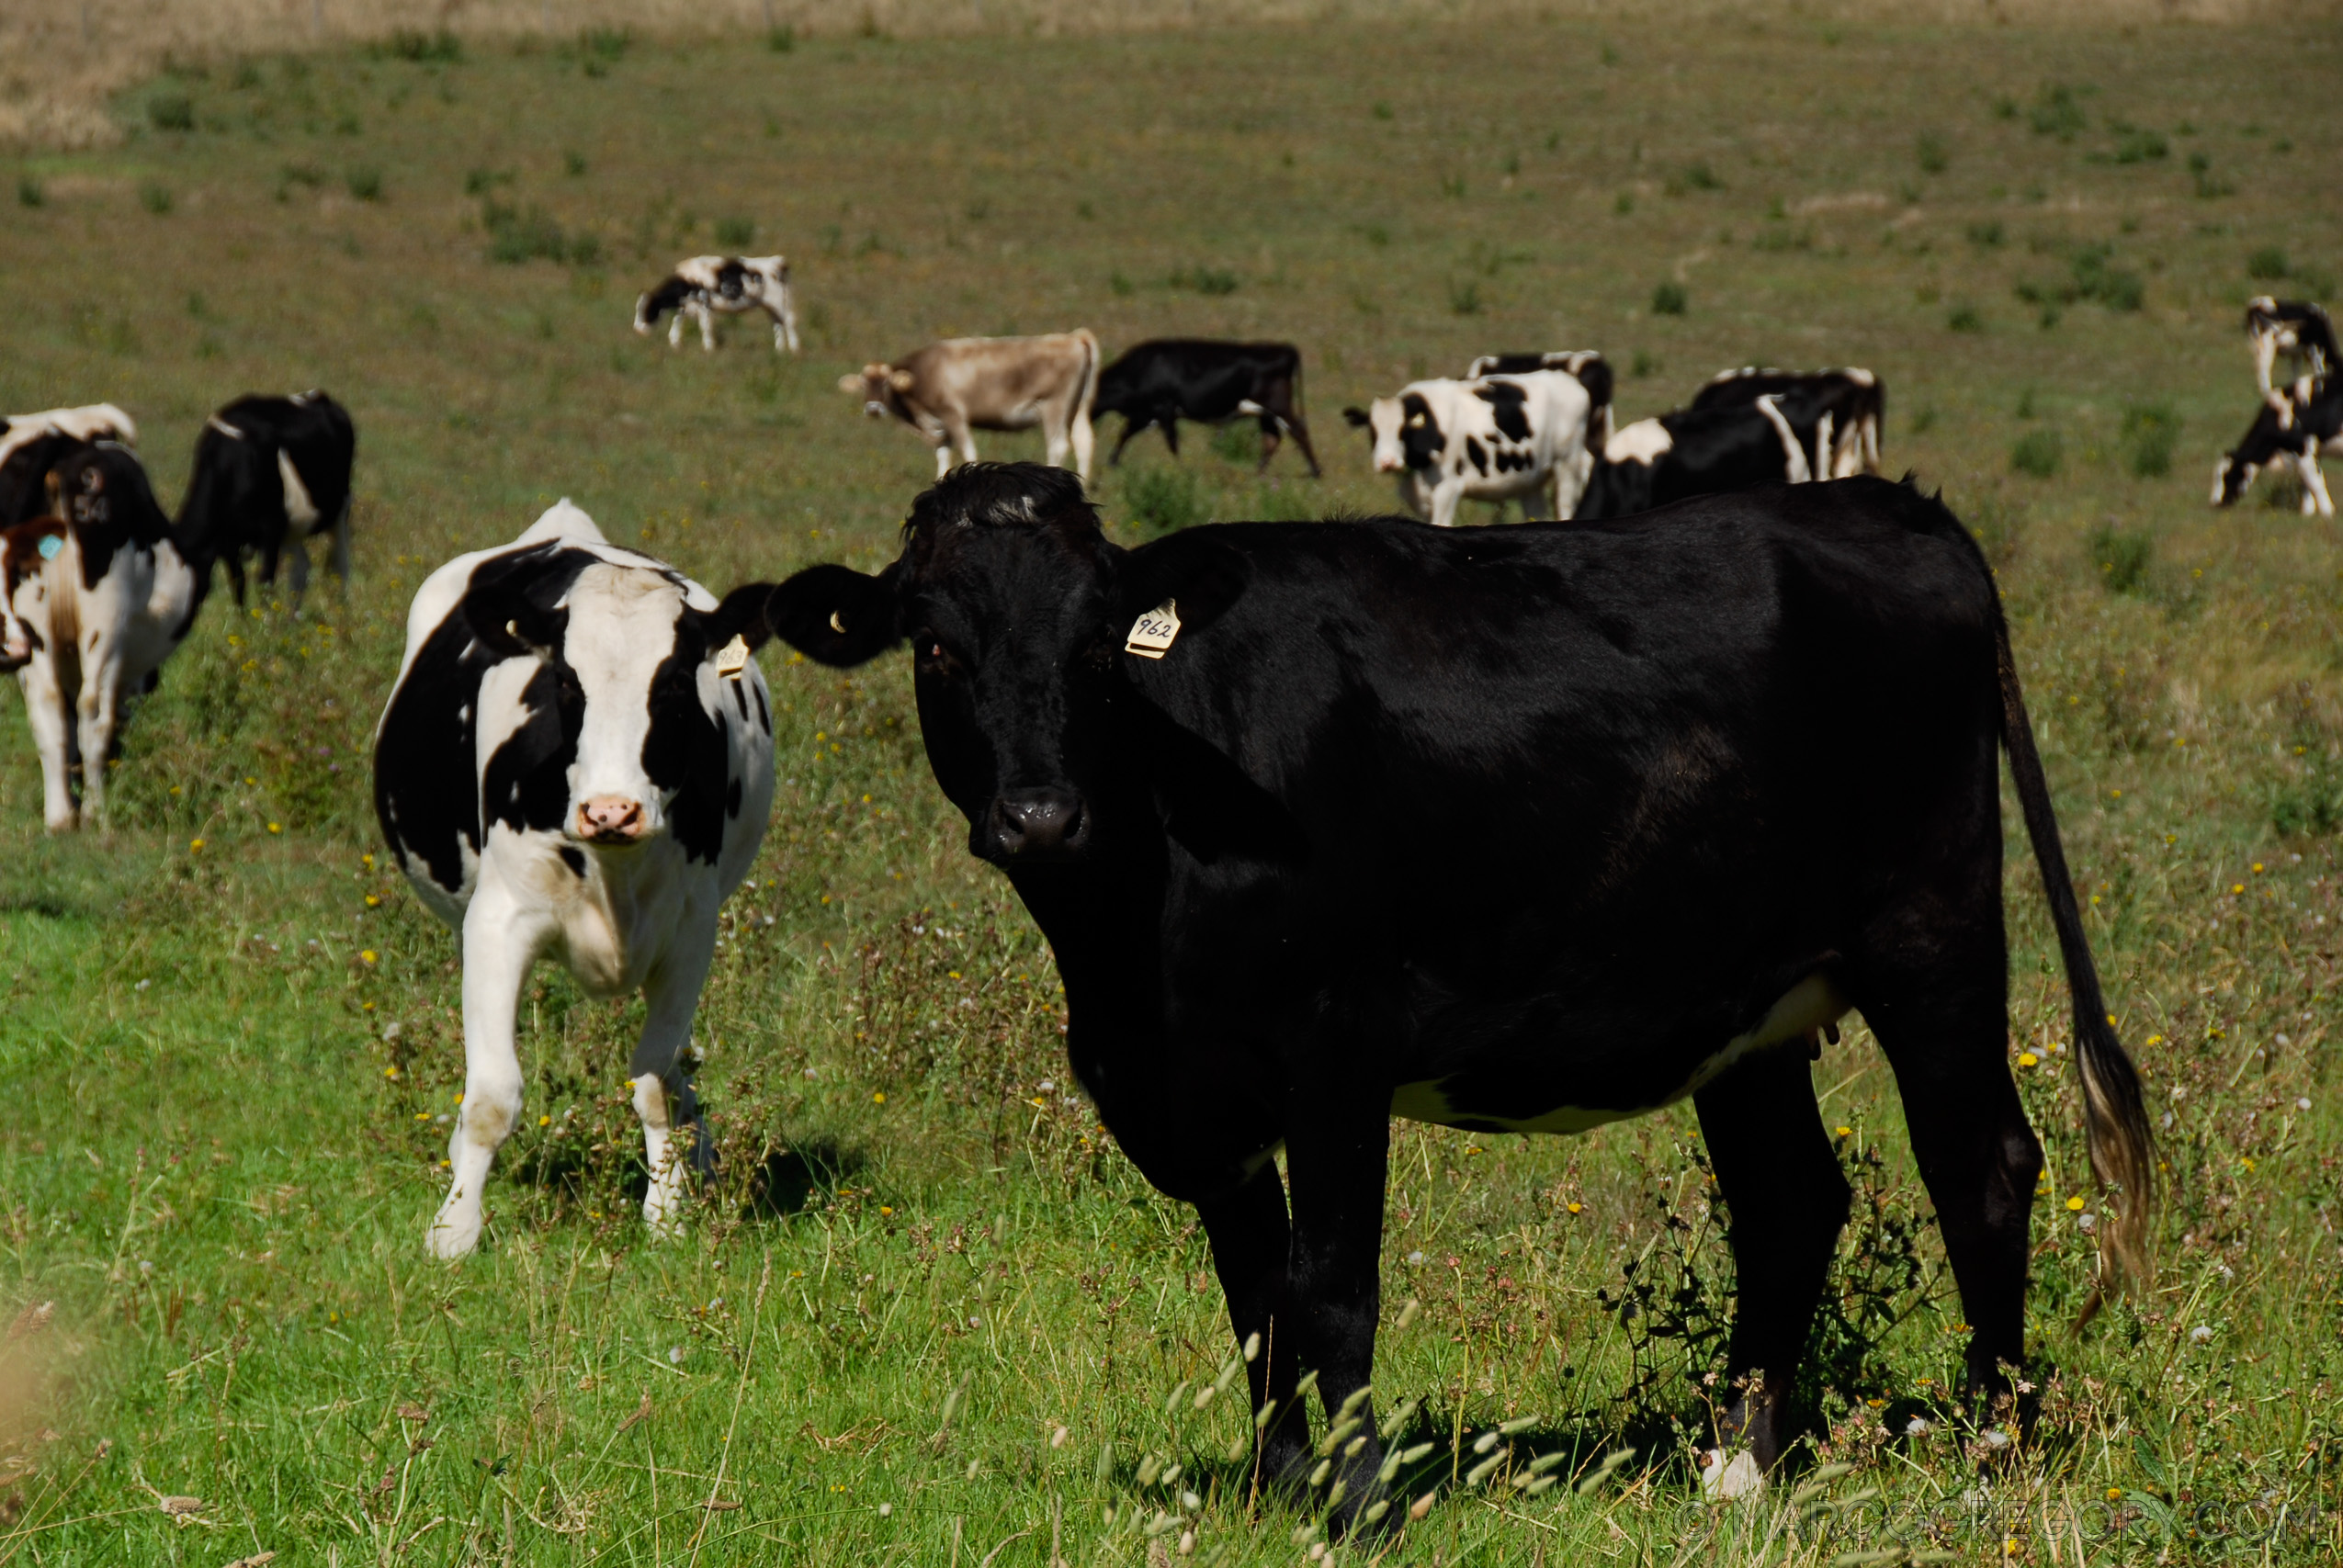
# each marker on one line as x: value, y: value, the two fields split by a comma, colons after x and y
x: 1725, y: 1477
x: 663, y: 1220
x: 454, y: 1236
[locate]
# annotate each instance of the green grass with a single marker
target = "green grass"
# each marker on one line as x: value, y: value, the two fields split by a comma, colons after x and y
x: 231, y: 1033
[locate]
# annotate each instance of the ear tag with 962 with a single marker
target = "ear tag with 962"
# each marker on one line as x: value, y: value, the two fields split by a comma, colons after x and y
x: 1152, y: 633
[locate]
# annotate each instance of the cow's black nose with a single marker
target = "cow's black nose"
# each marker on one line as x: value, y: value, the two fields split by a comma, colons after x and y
x: 1038, y: 823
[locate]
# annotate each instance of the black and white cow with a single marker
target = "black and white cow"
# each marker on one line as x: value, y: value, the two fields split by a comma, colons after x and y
x: 97, y: 599
x: 271, y: 474
x: 576, y: 763
x: 33, y: 444
x: 1511, y: 831
x: 2295, y: 328
x: 2295, y: 424
x: 1695, y: 451
x: 1164, y: 381
x: 1497, y: 438
x: 1837, y: 414
x: 702, y: 287
x: 1588, y: 364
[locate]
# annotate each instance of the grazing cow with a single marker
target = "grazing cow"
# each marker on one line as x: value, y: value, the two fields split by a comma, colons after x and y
x: 2295, y: 328
x: 1511, y: 831
x: 1837, y: 414
x: 33, y: 444
x: 576, y: 763
x: 1497, y: 438
x: 96, y: 601
x: 270, y: 474
x: 1162, y: 382
x: 1588, y: 364
x: 705, y: 286
x: 2293, y: 426
x: 1695, y: 451
x: 963, y: 384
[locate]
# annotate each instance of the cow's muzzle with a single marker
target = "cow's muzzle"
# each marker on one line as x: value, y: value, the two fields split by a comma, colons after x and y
x: 874, y: 408
x: 1036, y: 824
x: 610, y: 820
x: 1390, y: 465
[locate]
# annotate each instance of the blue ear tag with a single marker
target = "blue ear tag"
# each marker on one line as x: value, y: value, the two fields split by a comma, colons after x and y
x: 49, y: 544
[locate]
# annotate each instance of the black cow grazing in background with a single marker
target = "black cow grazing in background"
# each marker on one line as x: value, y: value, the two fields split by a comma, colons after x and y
x: 2295, y: 328
x: 1509, y: 830
x: 270, y: 474
x: 1162, y: 382
x: 2295, y: 424
x: 1838, y: 412
x: 1695, y: 451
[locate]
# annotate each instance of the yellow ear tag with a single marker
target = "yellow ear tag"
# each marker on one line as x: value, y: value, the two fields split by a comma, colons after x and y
x: 1152, y: 633
x: 732, y: 658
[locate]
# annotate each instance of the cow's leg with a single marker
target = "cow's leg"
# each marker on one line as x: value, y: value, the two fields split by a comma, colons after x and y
x: 2315, y: 499
x: 1055, y: 440
x: 1130, y: 427
x: 1084, y: 442
x: 661, y: 1070
x: 98, y: 708
x: 1336, y: 1159
x: 49, y: 712
x: 1250, y: 1247
x: 1445, y: 498
x: 707, y: 329
x: 1782, y: 1188
x: 1301, y: 435
x: 675, y: 329
x: 502, y: 939
x: 2265, y: 359
x: 1946, y: 1032
x: 1168, y: 421
x: 298, y: 568
x: 1269, y: 438
x: 232, y: 559
x: 340, y: 558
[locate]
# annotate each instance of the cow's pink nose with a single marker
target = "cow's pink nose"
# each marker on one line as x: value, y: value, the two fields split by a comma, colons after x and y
x: 1387, y: 465
x: 610, y: 820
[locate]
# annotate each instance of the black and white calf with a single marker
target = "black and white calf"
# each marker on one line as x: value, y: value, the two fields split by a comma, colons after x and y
x: 2295, y: 424
x: 1162, y: 382
x: 271, y: 474
x: 703, y: 288
x: 1495, y: 438
x: 96, y: 601
x: 576, y: 763
x: 1836, y: 413
x: 33, y: 444
x: 1695, y: 451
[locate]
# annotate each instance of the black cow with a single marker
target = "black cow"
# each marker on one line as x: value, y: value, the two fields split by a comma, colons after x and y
x: 1838, y: 412
x: 1513, y: 830
x: 2294, y: 424
x: 2295, y: 328
x: 1162, y: 382
x: 1695, y: 451
x: 271, y: 473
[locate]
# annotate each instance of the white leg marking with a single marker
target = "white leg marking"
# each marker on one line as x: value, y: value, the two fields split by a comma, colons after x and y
x: 675, y: 329
x: 671, y: 996
x: 1724, y: 1478
x: 1794, y: 456
x: 500, y: 943
x: 1084, y: 442
x: 2314, y: 495
x: 1823, y: 452
x: 47, y: 709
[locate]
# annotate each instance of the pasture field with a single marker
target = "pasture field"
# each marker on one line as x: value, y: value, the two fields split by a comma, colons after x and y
x: 928, y: 1314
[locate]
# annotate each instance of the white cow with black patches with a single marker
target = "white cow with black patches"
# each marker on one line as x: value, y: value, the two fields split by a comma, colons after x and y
x: 701, y: 288
x: 576, y: 763
x: 1495, y: 438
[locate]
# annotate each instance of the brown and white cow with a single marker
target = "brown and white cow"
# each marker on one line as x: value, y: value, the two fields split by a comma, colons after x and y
x: 97, y: 599
x: 33, y: 444
x: 957, y: 386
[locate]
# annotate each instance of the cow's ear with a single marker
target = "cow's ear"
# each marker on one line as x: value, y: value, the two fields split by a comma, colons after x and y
x: 901, y: 381
x: 741, y: 614
x: 1203, y: 576
x: 834, y: 615
x: 851, y: 385
x: 1355, y: 418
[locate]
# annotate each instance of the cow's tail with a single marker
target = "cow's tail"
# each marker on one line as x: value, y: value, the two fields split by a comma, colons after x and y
x: 2122, y: 1148
x: 1089, y: 392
